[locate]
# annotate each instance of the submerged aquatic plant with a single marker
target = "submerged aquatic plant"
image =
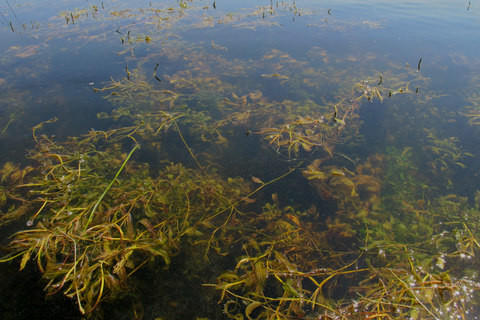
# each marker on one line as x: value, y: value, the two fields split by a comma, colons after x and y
x: 95, y: 215
x: 363, y: 263
x: 377, y: 242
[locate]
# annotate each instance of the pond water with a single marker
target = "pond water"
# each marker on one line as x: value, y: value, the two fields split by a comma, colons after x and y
x: 239, y: 159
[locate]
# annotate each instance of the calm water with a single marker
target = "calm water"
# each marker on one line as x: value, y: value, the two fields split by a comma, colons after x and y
x: 354, y: 126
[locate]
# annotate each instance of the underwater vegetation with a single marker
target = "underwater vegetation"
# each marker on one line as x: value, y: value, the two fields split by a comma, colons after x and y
x: 99, y: 216
x: 180, y: 204
x: 99, y: 213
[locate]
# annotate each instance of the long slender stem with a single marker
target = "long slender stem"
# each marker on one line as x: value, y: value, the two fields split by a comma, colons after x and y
x: 109, y: 186
x: 186, y: 145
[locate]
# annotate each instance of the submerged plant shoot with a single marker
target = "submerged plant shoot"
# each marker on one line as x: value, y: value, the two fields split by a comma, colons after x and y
x: 239, y: 160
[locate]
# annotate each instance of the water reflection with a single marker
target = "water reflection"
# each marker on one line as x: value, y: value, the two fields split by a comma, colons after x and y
x: 191, y: 159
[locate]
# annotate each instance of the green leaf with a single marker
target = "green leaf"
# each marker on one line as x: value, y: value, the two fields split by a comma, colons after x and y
x: 252, y: 306
x: 160, y: 252
x: 25, y: 259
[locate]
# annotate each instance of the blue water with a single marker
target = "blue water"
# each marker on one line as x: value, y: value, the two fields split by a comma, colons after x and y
x: 296, y: 59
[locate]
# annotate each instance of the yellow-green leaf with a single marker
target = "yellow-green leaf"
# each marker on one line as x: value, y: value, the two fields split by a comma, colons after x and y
x: 25, y: 259
x: 252, y: 306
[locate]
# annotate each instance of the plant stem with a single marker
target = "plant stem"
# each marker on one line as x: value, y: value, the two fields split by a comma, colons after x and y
x: 109, y: 186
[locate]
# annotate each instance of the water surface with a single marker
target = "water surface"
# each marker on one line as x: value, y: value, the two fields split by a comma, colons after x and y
x: 225, y: 159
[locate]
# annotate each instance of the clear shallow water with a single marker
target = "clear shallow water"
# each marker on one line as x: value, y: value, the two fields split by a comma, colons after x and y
x: 352, y: 125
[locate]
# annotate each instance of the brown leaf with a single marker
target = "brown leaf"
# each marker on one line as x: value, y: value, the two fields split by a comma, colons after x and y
x: 257, y: 180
